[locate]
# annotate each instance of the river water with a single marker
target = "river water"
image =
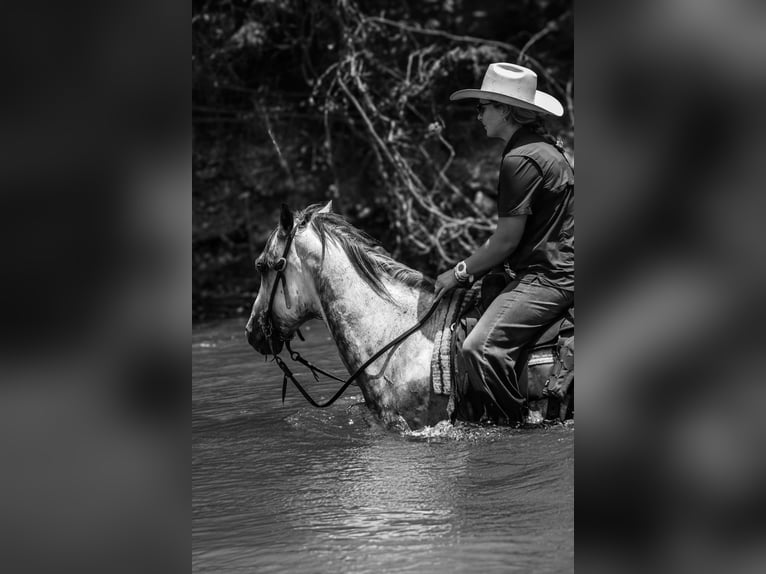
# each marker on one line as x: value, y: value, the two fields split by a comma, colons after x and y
x: 288, y: 488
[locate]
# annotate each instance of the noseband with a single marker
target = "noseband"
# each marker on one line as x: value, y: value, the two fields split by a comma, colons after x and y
x: 267, y: 326
x: 266, y: 321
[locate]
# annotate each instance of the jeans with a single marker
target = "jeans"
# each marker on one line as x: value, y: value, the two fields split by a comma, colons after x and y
x: 492, y: 349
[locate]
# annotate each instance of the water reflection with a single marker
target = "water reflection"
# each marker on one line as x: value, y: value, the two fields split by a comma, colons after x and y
x: 388, y: 490
x: 294, y: 489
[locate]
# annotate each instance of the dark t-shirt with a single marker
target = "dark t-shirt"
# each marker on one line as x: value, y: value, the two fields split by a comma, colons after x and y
x: 537, y: 181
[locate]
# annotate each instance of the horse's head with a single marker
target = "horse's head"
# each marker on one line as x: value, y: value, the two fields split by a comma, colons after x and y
x: 286, y: 298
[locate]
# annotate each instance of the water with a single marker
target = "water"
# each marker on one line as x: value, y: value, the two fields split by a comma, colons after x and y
x: 296, y: 489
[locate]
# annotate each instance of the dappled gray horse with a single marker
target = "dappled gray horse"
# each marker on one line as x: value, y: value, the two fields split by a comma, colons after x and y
x: 334, y: 272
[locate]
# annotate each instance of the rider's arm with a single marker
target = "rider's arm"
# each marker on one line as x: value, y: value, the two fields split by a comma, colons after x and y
x: 498, y: 247
x: 519, y: 179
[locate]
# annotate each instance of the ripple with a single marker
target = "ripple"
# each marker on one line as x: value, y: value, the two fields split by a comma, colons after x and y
x: 289, y: 488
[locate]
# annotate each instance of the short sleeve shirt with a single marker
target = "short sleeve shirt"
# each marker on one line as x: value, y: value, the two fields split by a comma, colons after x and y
x: 537, y: 181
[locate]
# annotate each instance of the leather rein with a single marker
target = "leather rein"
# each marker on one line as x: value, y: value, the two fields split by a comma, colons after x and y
x: 267, y: 326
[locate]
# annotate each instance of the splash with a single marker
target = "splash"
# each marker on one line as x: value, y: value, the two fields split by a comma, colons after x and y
x: 461, y: 431
x: 442, y: 429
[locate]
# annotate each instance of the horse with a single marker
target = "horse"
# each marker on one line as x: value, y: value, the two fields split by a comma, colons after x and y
x: 316, y: 265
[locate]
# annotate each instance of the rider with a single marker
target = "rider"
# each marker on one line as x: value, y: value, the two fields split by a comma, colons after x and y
x: 534, y: 238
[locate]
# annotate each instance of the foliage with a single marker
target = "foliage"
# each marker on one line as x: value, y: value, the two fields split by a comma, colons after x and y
x: 302, y: 101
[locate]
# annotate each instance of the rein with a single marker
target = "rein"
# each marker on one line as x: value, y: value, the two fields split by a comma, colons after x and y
x: 268, y: 329
x: 296, y: 357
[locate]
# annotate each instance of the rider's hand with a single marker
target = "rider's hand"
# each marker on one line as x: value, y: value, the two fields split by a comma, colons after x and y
x: 445, y: 283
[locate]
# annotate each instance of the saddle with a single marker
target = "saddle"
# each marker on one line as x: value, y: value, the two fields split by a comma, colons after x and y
x: 543, y: 347
x: 552, y: 349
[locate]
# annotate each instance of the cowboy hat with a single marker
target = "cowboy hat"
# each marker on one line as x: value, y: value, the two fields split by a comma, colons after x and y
x: 513, y: 85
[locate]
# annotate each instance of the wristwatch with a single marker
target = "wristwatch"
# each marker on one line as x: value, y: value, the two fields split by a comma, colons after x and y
x: 461, y: 273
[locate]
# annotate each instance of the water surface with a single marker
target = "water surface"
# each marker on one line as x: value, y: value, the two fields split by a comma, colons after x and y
x: 290, y: 488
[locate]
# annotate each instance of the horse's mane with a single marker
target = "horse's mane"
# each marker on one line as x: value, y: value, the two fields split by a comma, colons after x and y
x: 367, y: 256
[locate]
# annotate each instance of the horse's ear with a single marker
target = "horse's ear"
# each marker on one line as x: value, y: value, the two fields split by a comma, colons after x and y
x: 327, y: 208
x: 286, y: 219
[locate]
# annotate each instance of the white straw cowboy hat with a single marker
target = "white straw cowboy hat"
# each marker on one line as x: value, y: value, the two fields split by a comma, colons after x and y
x: 513, y: 85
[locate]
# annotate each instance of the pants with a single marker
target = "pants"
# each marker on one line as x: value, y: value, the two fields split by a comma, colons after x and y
x: 492, y: 349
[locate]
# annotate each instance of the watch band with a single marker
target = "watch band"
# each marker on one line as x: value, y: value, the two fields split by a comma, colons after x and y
x: 461, y: 273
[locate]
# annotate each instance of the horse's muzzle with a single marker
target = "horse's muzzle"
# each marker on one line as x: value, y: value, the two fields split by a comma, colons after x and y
x: 260, y: 343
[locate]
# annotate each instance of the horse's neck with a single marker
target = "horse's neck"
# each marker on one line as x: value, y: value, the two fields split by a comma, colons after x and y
x: 362, y: 322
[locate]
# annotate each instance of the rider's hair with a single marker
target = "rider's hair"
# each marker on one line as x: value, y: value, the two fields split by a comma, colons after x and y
x: 534, y: 122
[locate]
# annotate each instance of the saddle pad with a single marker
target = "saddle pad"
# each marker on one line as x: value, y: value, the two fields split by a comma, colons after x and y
x: 460, y: 301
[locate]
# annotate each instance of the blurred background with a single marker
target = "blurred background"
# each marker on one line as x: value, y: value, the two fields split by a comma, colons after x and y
x: 348, y: 100
x: 670, y: 277
x: 95, y: 221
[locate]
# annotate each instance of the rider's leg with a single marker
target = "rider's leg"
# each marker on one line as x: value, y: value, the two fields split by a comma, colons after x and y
x: 492, y: 349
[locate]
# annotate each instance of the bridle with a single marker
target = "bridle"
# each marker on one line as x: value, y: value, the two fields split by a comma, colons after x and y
x: 266, y: 321
x: 267, y: 326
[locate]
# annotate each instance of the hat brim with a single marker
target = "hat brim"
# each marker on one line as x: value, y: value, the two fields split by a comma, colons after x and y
x: 544, y: 103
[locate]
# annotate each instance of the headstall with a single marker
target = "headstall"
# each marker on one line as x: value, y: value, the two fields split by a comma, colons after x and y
x: 267, y: 326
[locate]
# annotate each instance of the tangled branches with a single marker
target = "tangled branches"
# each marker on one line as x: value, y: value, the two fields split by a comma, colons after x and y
x: 388, y: 100
x: 296, y: 101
